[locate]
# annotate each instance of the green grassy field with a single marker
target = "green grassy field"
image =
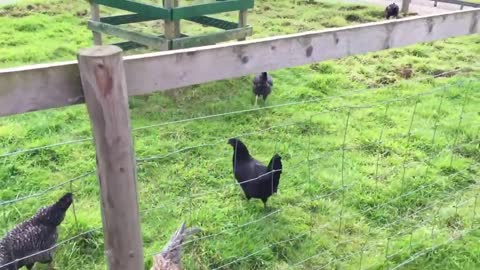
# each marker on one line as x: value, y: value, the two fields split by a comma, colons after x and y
x: 400, y: 177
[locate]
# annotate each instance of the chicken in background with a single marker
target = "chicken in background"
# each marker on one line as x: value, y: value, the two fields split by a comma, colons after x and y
x: 171, y: 256
x: 262, y: 86
x: 391, y: 11
x: 32, y: 241
x: 257, y: 180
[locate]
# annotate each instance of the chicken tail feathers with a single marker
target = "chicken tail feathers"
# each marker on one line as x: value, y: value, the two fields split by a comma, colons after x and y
x: 276, y: 167
x: 171, y: 254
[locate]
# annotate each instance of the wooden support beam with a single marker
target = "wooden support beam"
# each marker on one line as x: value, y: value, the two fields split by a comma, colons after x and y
x: 145, y: 10
x: 172, y: 28
x: 129, y: 45
x: 210, y: 8
x: 127, y: 18
x: 148, y: 40
x: 95, y: 16
x: 45, y: 86
x: 211, y: 38
x: 103, y: 79
x: 457, y: 2
x: 242, y: 20
x: 214, y: 22
x: 405, y: 6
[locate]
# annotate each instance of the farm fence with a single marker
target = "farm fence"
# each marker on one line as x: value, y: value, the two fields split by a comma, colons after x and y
x: 104, y: 81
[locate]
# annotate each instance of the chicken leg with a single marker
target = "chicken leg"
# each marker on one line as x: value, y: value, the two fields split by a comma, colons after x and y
x: 256, y: 100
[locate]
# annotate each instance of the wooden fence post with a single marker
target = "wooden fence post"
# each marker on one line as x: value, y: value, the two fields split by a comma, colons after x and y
x: 172, y: 28
x: 95, y: 16
x: 242, y: 20
x: 405, y: 6
x: 103, y: 79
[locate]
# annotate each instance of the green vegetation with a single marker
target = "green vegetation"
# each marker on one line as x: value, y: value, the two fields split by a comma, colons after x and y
x: 390, y: 197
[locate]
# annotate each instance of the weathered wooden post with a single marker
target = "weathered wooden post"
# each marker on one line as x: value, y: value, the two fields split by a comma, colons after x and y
x: 405, y: 6
x: 95, y: 16
x: 172, y: 28
x: 242, y: 20
x: 105, y: 89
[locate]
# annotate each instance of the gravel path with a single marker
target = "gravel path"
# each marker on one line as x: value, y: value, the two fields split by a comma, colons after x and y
x: 421, y: 7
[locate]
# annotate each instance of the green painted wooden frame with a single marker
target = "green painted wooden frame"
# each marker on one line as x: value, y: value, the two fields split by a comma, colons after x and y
x: 210, y: 8
x: 196, y: 13
x: 211, y: 38
x: 141, y: 38
x: 145, y: 11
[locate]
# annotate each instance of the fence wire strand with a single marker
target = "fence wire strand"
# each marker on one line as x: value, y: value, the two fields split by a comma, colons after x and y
x: 346, y: 182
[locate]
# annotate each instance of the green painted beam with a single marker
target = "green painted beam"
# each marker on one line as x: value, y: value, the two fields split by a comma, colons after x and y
x: 144, y: 39
x: 127, y: 18
x: 210, y: 8
x: 214, y: 22
x: 148, y: 12
x: 211, y: 38
x: 129, y: 45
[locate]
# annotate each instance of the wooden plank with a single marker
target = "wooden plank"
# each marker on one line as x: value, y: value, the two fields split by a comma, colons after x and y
x: 458, y: 2
x: 95, y: 10
x: 151, y: 41
x: 129, y: 45
x: 210, y: 8
x: 214, y: 22
x: 127, y: 18
x: 145, y: 10
x: 253, y: 56
x: 103, y: 78
x: 211, y: 38
x: 38, y: 87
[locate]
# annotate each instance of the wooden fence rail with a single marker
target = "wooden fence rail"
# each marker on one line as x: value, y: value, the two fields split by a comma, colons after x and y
x: 457, y: 2
x: 101, y: 77
x: 37, y: 87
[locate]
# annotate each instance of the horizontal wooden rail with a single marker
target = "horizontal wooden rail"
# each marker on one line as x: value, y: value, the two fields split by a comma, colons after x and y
x: 128, y: 18
x: 140, y: 38
x: 210, y: 8
x: 45, y: 86
x: 214, y: 22
x: 458, y: 2
x: 211, y: 38
x: 145, y: 10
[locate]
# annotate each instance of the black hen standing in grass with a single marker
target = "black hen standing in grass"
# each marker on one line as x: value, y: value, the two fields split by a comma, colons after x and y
x: 31, y: 241
x: 257, y: 180
x: 391, y: 11
x: 262, y: 86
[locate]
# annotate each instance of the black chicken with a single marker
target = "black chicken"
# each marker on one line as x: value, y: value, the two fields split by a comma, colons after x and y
x: 32, y: 241
x: 257, y: 180
x: 262, y: 86
x: 391, y: 11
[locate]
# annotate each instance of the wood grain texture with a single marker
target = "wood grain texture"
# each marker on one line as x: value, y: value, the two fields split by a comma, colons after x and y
x: 103, y: 80
x: 46, y: 86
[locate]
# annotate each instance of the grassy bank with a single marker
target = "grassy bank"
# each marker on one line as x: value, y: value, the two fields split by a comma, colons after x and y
x: 347, y: 196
